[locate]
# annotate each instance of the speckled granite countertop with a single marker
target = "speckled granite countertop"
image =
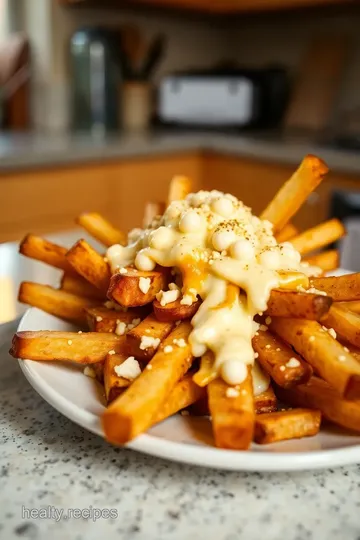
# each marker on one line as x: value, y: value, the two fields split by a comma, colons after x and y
x: 28, y: 151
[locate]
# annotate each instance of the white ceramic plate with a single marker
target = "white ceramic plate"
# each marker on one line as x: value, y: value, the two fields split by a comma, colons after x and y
x: 179, y: 438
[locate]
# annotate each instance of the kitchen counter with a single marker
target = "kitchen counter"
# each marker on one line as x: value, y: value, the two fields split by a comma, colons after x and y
x: 48, y: 461
x: 32, y: 151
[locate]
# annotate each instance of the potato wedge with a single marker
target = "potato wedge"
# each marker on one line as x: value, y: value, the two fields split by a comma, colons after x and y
x: 340, y: 288
x: 84, y: 348
x: 152, y: 209
x: 133, y: 412
x: 318, y: 237
x: 265, y: 402
x: 326, y: 260
x: 113, y: 384
x: 175, y: 311
x: 294, y: 192
x: 98, y: 368
x: 47, y: 252
x: 323, y: 352
x: 143, y: 340
x: 286, y: 233
x: 351, y: 306
x: 284, y: 425
x: 125, y: 288
x: 279, y: 360
x: 345, y: 323
x: 298, y: 304
x: 76, y: 284
x: 233, y: 418
x: 101, y: 229
x: 318, y: 394
x: 102, y: 319
x: 90, y: 265
x: 59, y: 303
x: 180, y: 186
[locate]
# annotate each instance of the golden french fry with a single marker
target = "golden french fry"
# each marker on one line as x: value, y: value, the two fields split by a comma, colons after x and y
x: 326, y: 260
x: 143, y: 340
x: 318, y: 394
x: 152, y: 209
x: 323, y: 352
x: 175, y: 311
x: 233, y: 418
x: 206, y: 372
x: 292, y: 280
x: 125, y: 288
x: 85, y: 348
x: 265, y: 402
x: 47, y: 252
x: 114, y: 384
x: 90, y: 265
x: 279, y: 360
x: 340, y: 288
x: 102, y: 319
x: 351, y: 306
x: 76, y: 284
x: 98, y: 368
x: 180, y: 186
x: 345, y: 323
x: 286, y: 233
x: 56, y: 302
x: 101, y: 229
x: 294, y: 192
x: 284, y: 425
x: 320, y: 236
x: 133, y: 412
x: 298, y: 304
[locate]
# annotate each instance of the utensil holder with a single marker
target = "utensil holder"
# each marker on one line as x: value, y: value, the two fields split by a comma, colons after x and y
x: 136, y: 106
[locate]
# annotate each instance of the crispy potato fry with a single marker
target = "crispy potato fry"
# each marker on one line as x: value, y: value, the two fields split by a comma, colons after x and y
x: 102, y: 319
x: 340, y: 288
x: 326, y: 260
x: 180, y: 186
x: 294, y: 192
x: 101, y: 229
x: 206, y: 372
x: 85, y: 348
x: 345, y: 323
x: 125, y: 288
x: 90, y: 265
x: 284, y: 425
x: 292, y: 280
x: 279, y: 360
x: 58, y: 303
x: 318, y: 394
x: 98, y: 368
x: 175, y: 311
x: 351, y: 306
x: 133, y: 412
x: 286, y: 233
x: 113, y: 384
x: 320, y: 236
x: 150, y: 327
x: 266, y: 402
x: 152, y: 209
x: 42, y: 250
x: 298, y: 304
x: 76, y: 284
x: 184, y: 394
x: 233, y: 418
x: 323, y: 352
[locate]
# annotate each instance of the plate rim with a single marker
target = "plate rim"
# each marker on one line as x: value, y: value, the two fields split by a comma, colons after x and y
x: 198, y: 455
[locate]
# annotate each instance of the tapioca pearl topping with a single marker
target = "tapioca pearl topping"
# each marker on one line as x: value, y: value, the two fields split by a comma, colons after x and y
x: 143, y: 262
x: 243, y: 250
x: 223, y: 206
x: 161, y: 238
x: 190, y: 222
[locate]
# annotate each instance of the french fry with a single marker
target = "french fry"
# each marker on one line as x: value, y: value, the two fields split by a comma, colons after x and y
x: 265, y: 402
x: 101, y: 229
x: 125, y: 288
x: 114, y: 384
x: 326, y: 355
x: 286, y: 233
x: 279, y: 360
x: 340, y: 288
x: 351, y: 306
x: 133, y: 412
x: 326, y: 260
x: 318, y: 394
x: 175, y: 311
x: 98, y: 368
x: 85, y: 348
x: 76, y: 284
x: 47, y: 252
x: 284, y: 425
x: 320, y: 236
x: 294, y: 192
x: 180, y: 186
x: 298, y: 304
x: 152, y: 209
x: 102, y: 319
x: 292, y: 280
x: 206, y: 372
x: 90, y: 265
x: 233, y: 418
x: 184, y: 394
x: 345, y: 323
x: 151, y: 328
x: 56, y: 302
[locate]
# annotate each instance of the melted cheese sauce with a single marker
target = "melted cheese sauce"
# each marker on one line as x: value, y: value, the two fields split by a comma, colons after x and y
x: 228, y: 257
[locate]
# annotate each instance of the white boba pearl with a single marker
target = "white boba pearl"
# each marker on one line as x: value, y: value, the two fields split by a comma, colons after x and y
x: 243, y: 250
x: 190, y: 222
x: 161, y: 238
x: 223, y: 239
x: 223, y: 206
x: 143, y: 262
x: 270, y: 259
x: 233, y: 371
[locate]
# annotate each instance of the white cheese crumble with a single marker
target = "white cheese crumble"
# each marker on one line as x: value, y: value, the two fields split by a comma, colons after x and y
x: 166, y: 297
x: 144, y: 284
x: 342, y: 358
x: 180, y: 342
x: 130, y: 369
x: 149, y: 367
x: 111, y: 352
x: 187, y: 300
x: 69, y: 341
x: 332, y: 332
x: 123, y: 270
x: 99, y: 318
x: 148, y: 342
x: 346, y: 349
x: 282, y: 368
x: 168, y: 349
x: 232, y: 392
x: 292, y: 363
x: 89, y: 372
x: 120, y: 328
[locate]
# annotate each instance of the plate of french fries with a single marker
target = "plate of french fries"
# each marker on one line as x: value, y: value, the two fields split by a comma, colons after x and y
x: 208, y: 336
